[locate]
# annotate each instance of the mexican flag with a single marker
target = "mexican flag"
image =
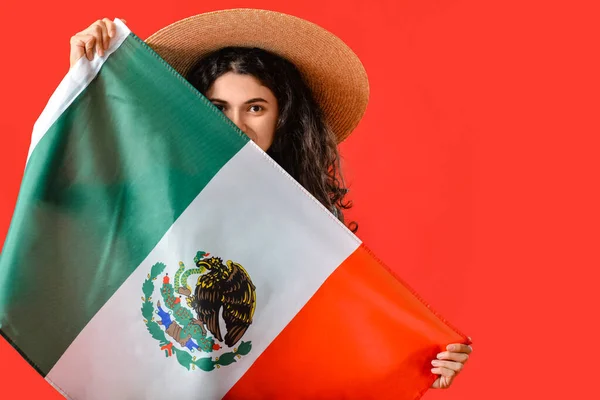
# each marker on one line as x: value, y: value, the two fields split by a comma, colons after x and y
x: 156, y: 252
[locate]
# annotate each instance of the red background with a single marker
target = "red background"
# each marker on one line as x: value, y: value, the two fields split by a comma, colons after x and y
x: 474, y: 171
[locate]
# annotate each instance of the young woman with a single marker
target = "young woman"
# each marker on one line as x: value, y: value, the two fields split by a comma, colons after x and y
x: 295, y: 89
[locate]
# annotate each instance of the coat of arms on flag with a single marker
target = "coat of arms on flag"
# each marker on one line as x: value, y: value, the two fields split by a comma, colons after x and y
x: 190, y: 328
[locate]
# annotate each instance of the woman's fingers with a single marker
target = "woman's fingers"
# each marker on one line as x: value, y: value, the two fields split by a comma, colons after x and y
x: 89, y: 47
x: 445, y: 372
x: 105, y: 34
x: 110, y: 27
x: 77, y: 48
x: 442, y: 382
x: 96, y: 37
x: 459, y: 348
x: 451, y: 356
x: 447, y: 368
x: 449, y: 363
x: 82, y: 45
x: 99, y: 33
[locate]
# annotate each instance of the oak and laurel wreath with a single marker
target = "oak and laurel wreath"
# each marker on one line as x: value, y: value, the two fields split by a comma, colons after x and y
x: 184, y: 358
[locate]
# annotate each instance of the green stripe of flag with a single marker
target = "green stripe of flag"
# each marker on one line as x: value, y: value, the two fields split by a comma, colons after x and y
x: 89, y: 210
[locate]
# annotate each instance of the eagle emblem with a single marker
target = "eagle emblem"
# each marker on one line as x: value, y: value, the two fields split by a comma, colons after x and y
x: 226, y: 286
x: 187, y: 322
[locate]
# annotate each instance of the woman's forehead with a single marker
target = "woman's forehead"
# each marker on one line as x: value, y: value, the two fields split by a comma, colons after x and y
x: 233, y: 87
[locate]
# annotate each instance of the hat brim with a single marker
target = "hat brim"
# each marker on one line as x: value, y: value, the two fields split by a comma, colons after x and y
x: 332, y: 70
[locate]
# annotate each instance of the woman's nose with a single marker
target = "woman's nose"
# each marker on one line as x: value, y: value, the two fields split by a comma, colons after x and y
x: 237, y: 119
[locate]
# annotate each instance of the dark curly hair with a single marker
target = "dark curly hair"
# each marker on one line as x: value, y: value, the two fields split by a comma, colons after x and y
x: 303, y: 144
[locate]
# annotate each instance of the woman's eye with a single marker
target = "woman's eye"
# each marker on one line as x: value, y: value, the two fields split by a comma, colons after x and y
x: 220, y: 107
x: 256, y: 108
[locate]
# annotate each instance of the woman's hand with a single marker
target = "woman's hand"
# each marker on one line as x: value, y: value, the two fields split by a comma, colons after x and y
x: 94, y: 38
x: 449, y: 363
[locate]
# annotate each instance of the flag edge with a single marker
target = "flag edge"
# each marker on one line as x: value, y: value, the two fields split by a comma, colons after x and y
x: 77, y: 79
x: 416, y: 294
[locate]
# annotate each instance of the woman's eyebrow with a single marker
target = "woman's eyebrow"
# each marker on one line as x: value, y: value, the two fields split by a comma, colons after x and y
x: 254, y: 100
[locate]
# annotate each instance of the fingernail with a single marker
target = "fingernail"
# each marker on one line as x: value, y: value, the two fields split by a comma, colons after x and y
x: 435, y: 362
x: 440, y: 355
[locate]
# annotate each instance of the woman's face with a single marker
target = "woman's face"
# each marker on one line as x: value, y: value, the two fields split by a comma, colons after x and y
x: 248, y: 104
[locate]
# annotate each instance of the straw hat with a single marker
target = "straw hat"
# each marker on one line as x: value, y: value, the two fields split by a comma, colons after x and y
x: 331, y: 69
